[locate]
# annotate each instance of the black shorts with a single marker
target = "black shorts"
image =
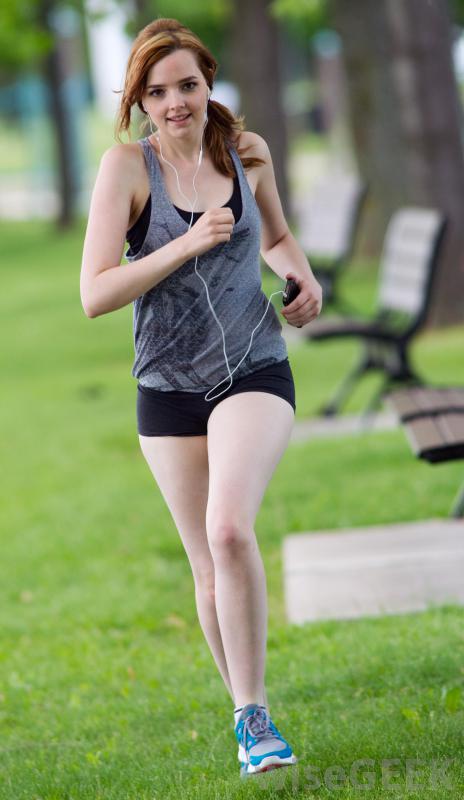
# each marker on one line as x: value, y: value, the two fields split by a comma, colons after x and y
x: 178, y: 413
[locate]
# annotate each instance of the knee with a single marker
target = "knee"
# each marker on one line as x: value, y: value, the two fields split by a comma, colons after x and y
x: 228, y: 537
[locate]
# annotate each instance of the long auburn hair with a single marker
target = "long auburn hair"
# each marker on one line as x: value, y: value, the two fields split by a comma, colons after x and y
x: 157, y: 40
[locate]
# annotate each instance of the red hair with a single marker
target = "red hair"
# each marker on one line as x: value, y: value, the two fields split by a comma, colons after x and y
x: 154, y: 42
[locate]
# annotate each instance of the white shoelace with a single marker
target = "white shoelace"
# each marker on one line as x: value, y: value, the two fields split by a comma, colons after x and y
x: 256, y: 725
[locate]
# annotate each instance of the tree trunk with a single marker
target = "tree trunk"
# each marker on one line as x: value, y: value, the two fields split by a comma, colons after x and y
x: 405, y: 117
x: 56, y: 69
x: 145, y: 11
x: 255, y: 68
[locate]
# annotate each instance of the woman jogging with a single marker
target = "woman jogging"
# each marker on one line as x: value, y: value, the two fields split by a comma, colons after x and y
x: 215, y: 393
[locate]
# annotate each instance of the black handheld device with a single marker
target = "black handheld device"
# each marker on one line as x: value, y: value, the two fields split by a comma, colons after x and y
x: 291, y: 291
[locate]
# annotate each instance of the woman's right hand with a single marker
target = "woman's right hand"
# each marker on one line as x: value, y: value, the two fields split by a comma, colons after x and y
x: 213, y: 227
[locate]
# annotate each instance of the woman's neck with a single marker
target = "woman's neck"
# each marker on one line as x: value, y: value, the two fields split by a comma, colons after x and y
x: 185, y: 153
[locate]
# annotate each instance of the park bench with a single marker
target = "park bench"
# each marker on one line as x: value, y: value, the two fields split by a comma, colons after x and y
x: 327, y: 221
x: 434, y: 424
x: 410, y: 255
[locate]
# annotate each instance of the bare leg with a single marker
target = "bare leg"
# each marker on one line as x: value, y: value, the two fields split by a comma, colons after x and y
x: 247, y: 436
x: 207, y: 615
x: 179, y: 465
x: 241, y: 604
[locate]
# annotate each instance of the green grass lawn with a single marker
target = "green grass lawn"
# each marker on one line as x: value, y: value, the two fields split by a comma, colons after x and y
x: 107, y: 686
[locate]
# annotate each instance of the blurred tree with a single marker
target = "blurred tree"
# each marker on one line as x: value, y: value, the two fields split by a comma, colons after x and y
x: 257, y: 73
x: 143, y: 13
x: 33, y: 38
x: 302, y: 18
x: 406, y: 123
x: 58, y: 67
x: 209, y: 19
x: 227, y: 27
x: 405, y: 117
x: 22, y: 41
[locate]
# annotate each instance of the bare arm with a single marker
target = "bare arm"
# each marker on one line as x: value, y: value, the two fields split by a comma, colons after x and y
x: 105, y: 284
x: 279, y: 247
x: 116, y: 287
x: 105, y: 288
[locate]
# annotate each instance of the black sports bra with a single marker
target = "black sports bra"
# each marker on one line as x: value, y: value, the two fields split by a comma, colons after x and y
x: 137, y: 233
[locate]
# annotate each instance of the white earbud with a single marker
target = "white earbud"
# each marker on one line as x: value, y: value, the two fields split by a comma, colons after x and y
x: 200, y: 157
x: 206, y: 109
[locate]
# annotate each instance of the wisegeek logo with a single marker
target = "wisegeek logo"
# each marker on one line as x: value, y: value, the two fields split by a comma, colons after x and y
x: 410, y: 774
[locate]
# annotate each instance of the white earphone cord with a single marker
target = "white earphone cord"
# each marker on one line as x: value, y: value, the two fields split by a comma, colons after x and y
x: 200, y: 157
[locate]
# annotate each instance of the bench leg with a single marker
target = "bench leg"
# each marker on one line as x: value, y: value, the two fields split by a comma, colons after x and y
x: 335, y: 403
x: 397, y: 364
x: 391, y: 359
x: 374, y: 404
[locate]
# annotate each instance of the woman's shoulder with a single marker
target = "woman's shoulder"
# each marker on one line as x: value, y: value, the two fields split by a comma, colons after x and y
x: 128, y: 159
x: 124, y: 154
x: 253, y: 143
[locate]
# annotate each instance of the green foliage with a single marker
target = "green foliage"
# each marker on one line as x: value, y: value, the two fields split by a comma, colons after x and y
x: 24, y: 38
x: 457, y: 11
x: 22, y: 41
x: 208, y: 19
x: 302, y: 18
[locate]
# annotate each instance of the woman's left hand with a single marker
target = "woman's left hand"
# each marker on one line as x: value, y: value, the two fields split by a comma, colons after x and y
x: 307, y: 305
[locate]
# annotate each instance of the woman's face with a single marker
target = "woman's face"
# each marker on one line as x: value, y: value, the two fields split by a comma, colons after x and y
x: 176, y: 87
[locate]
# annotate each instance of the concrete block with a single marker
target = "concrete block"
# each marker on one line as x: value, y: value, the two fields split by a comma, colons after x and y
x: 371, y: 571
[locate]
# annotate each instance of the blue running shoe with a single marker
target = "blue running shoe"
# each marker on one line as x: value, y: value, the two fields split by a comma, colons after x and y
x: 261, y: 746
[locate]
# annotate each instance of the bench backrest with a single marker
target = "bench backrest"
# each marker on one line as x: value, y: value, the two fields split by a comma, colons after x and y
x: 327, y: 219
x: 410, y: 253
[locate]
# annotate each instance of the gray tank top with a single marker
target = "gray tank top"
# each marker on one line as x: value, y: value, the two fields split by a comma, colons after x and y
x: 178, y: 343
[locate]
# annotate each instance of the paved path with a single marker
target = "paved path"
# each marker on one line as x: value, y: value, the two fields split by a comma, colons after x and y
x: 344, y: 425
